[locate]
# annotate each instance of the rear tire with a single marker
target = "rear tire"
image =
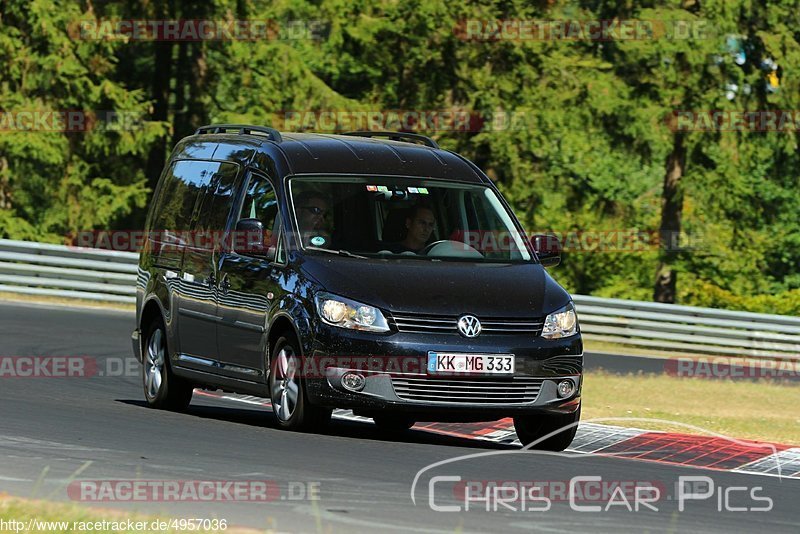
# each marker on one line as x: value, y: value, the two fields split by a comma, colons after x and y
x: 162, y: 388
x: 290, y: 403
x: 393, y: 423
x: 531, y: 428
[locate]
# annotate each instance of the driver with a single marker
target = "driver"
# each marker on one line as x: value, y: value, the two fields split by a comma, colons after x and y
x: 420, y: 224
x: 312, y: 213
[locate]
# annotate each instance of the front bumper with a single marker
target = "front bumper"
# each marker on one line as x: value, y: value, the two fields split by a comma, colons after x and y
x: 381, y: 392
x: 396, y: 379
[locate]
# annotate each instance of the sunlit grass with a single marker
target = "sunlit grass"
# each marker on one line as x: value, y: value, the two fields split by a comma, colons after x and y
x: 763, y: 410
x: 6, y: 296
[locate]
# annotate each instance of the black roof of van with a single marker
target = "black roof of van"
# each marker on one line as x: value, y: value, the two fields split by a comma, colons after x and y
x: 358, y: 153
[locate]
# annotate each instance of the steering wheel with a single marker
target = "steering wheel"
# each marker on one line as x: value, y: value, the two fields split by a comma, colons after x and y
x: 404, y: 253
x: 452, y: 249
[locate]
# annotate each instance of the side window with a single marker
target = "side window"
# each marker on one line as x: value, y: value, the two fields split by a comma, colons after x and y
x: 181, y: 191
x: 495, y: 239
x: 218, y: 203
x: 260, y: 202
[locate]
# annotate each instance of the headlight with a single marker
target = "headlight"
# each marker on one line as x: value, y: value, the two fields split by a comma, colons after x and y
x: 562, y: 323
x: 346, y: 313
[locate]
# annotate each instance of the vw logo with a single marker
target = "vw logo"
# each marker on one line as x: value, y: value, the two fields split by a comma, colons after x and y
x: 469, y: 326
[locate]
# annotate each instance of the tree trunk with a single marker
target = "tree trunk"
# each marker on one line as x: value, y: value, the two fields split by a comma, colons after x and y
x: 197, y: 106
x: 669, y: 232
x: 5, y: 186
x: 180, y: 123
x: 160, y: 93
x: 192, y: 83
x: 241, y: 9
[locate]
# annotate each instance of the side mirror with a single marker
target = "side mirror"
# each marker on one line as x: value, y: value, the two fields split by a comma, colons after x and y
x: 250, y: 238
x: 548, y: 249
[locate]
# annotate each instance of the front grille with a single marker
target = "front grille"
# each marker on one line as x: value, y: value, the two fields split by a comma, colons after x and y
x: 447, y: 324
x: 510, y: 391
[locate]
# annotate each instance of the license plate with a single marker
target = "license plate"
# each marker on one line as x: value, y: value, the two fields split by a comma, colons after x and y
x: 449, y: 362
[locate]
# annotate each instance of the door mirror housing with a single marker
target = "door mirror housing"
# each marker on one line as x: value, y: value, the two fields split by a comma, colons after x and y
x: 548, y: 249
x: 250, y: 235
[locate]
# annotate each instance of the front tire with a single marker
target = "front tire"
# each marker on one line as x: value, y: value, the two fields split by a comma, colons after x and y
x: 531, y: 428
x: 162, y: 388
x: 287, y: 390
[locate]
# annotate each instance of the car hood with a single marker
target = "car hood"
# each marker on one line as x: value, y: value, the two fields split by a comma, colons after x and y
x: 440, y: 287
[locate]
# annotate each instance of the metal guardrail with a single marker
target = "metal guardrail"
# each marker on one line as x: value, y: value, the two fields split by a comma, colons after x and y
x: 689, y: 329
x: 73, y: 272
x: 69, y: 272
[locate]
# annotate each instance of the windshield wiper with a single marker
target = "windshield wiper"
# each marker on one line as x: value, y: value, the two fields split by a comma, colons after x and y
x: 349, y: 254
x: 340, y: 252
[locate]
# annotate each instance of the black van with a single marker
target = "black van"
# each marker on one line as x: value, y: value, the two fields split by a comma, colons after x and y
x: 372, y: 271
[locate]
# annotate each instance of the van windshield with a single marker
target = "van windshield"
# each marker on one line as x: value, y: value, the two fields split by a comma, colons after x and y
x: 409, y: 218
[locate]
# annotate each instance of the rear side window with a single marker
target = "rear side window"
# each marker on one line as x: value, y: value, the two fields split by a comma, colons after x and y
x: 217, y: 204
x: 180, y: 193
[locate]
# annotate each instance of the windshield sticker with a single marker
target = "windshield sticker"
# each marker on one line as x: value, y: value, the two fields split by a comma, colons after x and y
x: 422, y: 190
x: 372, y: 188
x: 383, y: 188
x: 413, y: 190
x: 317, y: 241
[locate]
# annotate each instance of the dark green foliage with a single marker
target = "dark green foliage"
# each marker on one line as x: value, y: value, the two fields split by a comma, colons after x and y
x: 587, y: 152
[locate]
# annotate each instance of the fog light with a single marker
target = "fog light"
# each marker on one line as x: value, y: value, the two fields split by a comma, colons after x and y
x: 353, y: 381
x: 566, y: 388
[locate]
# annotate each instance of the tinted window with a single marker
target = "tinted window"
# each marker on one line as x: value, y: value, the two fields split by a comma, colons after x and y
x: 217, y: 204
x: 260, y: 202
x: 405, y: 218
x: 180, y: 193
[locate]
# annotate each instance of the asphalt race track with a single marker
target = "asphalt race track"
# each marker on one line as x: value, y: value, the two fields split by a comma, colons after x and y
x: 59, y: 430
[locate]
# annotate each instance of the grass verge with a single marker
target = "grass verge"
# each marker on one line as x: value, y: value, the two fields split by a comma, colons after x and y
x: 763, y: 410
x: 591, y: 345
x: 6, y: 296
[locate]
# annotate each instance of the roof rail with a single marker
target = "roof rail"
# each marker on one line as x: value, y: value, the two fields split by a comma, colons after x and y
x: 243, y: 129
x: 398, y: 136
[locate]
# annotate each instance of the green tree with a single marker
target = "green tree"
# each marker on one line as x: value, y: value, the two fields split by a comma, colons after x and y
x: 54, y: 183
